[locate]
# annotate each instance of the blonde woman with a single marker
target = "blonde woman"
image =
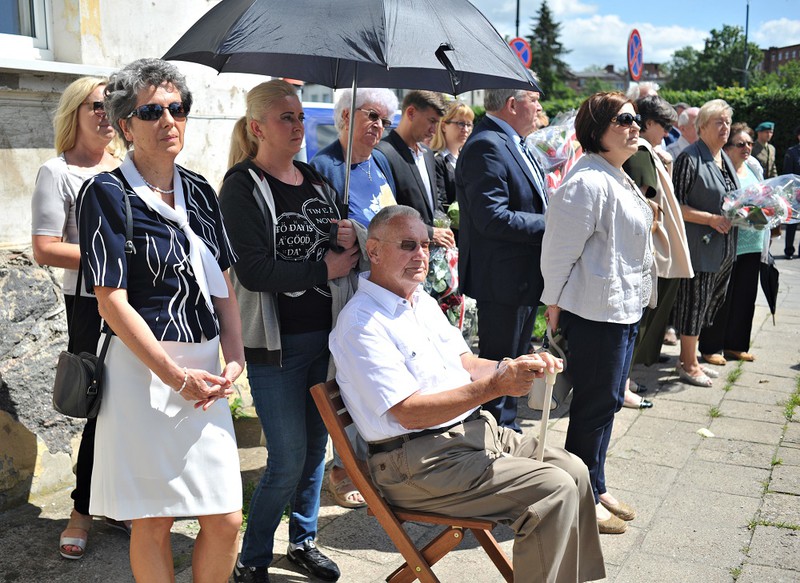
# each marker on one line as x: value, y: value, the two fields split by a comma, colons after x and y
x: 86, y: 144
x: 451, y: 135
x: 291, y: 283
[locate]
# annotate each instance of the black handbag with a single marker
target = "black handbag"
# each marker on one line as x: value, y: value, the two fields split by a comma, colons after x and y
x: 77, y: 389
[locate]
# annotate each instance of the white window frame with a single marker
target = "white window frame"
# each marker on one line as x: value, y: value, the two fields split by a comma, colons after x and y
x: 37, y: 47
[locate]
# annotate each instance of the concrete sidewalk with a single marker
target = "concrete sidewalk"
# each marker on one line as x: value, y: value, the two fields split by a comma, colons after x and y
x: 711, y: 509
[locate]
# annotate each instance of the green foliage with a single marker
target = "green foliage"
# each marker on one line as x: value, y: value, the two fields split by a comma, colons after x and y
x: 787, y: 77
x: 720, y: 63
x: 553, y: 107
x: 753, y: 105
x: 547, y: 52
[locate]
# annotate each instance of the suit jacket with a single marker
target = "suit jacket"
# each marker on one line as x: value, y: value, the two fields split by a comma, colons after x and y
x: 501, y: 220
x: 409, y: 188
x: 766, y: 157
x: 446, y: 179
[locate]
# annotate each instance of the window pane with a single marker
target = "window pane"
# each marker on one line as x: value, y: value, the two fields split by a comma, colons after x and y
x: 16, y: 17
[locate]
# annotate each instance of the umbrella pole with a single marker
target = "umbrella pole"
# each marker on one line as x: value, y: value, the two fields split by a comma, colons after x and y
x: 550, y: 380
x: 352, y: 124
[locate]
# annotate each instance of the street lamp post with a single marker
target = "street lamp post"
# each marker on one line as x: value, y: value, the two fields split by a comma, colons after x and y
x: 746, y: 48
x: 517, y: 35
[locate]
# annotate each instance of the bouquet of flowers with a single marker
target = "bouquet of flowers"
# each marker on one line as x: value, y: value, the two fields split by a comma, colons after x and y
x: 556, y: 147
x: 766, y: 204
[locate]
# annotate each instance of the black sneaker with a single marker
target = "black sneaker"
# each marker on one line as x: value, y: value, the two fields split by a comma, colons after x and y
x: 250, y: 574
x: 314, y: 561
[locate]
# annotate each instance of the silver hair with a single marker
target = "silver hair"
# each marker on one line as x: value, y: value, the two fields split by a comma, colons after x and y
x: 495, y: 99
x: 124, y: 86
x: 634, y: 92
x: 383, y: 97
x: 711, y: 109
x: 387, y: 214
x: 683, y: 118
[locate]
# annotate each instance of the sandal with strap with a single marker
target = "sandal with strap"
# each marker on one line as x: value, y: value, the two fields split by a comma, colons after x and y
x: 72, y: 543
x: 345, y: 493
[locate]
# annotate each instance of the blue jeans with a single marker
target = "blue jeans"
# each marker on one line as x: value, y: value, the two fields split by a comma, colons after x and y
x: 598, y: 361
x: 296, y: 439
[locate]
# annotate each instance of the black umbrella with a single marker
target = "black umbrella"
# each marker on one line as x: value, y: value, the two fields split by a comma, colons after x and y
x: 440, y: 45
x: 769, y: 275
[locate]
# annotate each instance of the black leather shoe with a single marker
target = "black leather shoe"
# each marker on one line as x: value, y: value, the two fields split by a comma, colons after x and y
x: 314, y: 561
x: 250, y: 574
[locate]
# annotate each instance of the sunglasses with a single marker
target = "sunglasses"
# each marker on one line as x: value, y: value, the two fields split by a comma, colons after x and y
x: 374, y: 116
x: 743, y: 144
x: 626, y: 119
x: 98, y: 108
x: 409, y: 245
x: 154, y: 111
x: 464, y: 125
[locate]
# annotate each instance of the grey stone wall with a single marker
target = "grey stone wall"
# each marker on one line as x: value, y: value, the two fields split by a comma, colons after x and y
x: 35, y: 440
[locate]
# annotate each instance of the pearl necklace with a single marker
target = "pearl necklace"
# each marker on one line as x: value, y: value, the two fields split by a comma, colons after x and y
x: 368, y: 171
x: 152, y: 186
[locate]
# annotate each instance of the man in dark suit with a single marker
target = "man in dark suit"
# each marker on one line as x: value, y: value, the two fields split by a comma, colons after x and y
x: 412, y: 163
x: 502, y: 199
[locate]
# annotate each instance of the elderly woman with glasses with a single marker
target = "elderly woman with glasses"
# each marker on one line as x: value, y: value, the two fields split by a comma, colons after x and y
x: 165, y: 445
x: 371, y: 182
x: 598, y: 274
x: 86, y: 144
x: 703, y: 175
x: 730, y: 330
x: 451, y: 135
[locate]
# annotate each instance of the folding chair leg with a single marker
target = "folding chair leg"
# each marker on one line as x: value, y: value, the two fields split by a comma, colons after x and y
x: 496, y: 554
x: 445, y: 542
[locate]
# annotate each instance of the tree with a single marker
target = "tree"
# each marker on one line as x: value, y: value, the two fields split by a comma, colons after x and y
x: 719, y: 64
x: 547, y: 50
x: 787, y: 77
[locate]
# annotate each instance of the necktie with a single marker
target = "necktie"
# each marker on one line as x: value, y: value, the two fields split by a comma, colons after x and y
x: 538, y: 175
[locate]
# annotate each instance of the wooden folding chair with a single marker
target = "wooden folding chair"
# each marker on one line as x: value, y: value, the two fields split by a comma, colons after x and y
x: 418, y: 561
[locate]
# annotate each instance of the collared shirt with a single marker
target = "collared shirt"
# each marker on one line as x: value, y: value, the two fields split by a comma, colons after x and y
x: 419, y: 160
x: 386, y: 349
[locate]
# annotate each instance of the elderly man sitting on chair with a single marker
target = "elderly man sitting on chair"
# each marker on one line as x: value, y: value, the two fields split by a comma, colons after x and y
x: 414, y: 390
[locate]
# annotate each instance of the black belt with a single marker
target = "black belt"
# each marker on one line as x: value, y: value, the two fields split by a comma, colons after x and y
x: 395, y: 442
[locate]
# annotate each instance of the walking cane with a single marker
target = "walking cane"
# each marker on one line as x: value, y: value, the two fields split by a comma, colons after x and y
x: 550, y: 381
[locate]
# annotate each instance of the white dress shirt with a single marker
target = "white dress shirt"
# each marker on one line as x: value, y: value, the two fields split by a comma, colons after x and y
x: 386, y: 349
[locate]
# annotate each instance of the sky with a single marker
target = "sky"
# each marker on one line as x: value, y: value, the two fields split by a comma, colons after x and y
x: 597, y: 31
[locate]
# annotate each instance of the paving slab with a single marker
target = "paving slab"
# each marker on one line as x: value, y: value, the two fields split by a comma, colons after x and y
x: 772, y: 546
x: 781, y: 509
x: 747, y: 430
x: 693, y: 542
x: 650, y: 567
x: 761, y: 574
x: 786, y: 479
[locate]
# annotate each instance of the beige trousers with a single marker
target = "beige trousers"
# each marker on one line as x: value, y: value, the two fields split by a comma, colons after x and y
x: 480, y: 470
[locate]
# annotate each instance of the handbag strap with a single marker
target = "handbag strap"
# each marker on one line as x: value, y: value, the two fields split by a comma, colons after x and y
x: 129, y: 250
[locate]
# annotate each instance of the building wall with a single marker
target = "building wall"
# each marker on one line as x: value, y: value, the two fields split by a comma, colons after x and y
x: 776, y: 57
x: 90, y: 37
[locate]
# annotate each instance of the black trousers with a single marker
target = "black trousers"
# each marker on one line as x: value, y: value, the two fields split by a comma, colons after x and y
x: 84, y: 334
x: 504, y: 331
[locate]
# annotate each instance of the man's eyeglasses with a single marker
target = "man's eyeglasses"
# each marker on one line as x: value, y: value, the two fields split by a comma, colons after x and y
x: 626, y: 119
x: 154, y: 111
x: 464, y: 125
x: 743, y: 144
x: 374, y: 116
x: 409, y: 245
x: 97, y: 107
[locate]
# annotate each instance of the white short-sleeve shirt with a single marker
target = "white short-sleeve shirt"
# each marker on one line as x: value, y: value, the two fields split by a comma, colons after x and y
x: 386, y: 349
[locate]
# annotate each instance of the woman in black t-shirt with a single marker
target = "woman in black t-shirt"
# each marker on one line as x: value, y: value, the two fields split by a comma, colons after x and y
x: 290, y: 283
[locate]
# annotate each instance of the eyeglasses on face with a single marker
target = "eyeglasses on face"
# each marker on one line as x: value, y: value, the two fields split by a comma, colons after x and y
x: 743, y: 144
x: 97, y: 107
x: 154, y: 111
x: 374, y: 116
x: 463, y: 125
x: 626, y: 119
x: 409, y: 245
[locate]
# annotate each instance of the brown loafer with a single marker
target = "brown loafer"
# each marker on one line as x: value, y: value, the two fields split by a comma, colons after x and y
x: 620, y: 509
x: 715, y: 359
x: 612, y: 525
x: 736, y: 355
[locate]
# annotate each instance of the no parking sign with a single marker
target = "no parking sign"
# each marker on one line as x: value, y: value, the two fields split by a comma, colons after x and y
x: 635, y: 55
x: 520, y: 46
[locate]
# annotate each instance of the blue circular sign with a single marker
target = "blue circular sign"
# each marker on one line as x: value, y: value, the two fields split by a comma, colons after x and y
x: 520, y: 46
x: 635, y: 55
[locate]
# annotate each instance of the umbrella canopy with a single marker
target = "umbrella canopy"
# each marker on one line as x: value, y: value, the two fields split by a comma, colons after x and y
x: 440, y: 45
x: 768, y: 274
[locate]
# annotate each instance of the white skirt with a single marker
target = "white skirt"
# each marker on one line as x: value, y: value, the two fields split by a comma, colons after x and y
x: 154, y: 453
